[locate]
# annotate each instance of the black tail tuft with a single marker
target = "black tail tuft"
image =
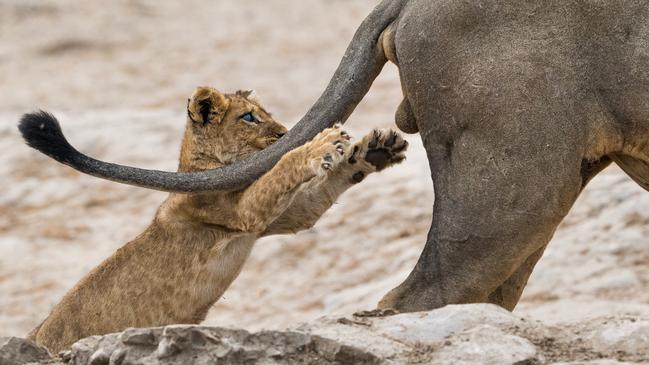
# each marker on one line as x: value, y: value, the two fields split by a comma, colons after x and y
x: 42, y: 131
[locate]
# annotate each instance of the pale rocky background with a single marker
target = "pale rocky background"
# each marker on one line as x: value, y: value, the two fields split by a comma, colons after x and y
x: 118, y: 73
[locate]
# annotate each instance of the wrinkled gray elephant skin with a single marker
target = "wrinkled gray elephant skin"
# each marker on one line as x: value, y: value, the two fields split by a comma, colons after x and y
x: 518, y: 103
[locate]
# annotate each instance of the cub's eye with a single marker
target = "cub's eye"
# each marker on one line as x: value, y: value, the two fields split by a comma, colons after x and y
x: 248, y: 117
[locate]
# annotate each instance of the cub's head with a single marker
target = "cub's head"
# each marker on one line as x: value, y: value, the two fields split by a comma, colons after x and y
x: 223, y: 128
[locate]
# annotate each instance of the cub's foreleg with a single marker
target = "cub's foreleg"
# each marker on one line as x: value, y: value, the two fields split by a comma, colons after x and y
x: 269, y: 196
x: 374, y: 152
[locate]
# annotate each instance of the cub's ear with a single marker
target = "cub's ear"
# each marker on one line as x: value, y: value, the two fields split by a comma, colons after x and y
x: 245, y: 93
x: 207, y: 105
x: 250, y: 95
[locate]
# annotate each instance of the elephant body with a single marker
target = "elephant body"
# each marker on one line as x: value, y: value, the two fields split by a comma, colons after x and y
x: 519, y: 104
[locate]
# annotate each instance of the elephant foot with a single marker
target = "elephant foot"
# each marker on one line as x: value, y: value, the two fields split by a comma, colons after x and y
x: 409, y: 297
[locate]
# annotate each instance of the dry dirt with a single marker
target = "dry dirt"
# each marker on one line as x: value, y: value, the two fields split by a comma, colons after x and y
x: 118, y: 74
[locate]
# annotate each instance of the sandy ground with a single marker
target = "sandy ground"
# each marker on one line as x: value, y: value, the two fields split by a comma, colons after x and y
x: 118, y: 74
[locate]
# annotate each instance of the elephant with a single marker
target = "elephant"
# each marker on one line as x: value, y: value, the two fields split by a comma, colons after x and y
x: 518, y: 103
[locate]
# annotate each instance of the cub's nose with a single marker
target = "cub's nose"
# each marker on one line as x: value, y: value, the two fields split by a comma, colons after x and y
x: 281, y: 134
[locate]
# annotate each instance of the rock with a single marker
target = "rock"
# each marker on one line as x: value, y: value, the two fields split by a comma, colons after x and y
x: 463, y: 334
x: 486, y: 344
x: 626, y: 335
x: 594, y: 362
x: 456, y: 334
x: 15, y: 351
x: 99, y: 357
x: 388, y: 336
x: 434, y: 326
x: 180, y: 344
x: 138, y: 336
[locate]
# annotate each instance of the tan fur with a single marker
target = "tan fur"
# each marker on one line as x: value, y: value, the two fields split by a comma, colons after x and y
x: 197, y: 244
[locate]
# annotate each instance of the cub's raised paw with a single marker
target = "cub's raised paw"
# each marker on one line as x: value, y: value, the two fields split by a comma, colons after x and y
x: 327, y: 150
x: 381, y: 148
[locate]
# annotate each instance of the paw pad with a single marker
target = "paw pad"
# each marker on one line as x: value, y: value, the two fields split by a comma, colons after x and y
x: 384, y: 149
x: 379, y: 158
x: 358, y: 177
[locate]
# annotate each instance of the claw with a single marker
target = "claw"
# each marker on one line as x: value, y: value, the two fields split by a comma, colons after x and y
x: 352, y: 158
x: 375, y: 139
x: 392, y: 140
x: 326, y: 166
x: 397, y: 159
x: 400, y: 148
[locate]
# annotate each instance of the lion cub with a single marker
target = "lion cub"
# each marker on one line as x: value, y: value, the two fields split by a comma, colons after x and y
x: 197, y: 243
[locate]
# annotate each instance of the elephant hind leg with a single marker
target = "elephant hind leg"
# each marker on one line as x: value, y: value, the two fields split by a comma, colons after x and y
x: 509, y: 292
x: 497, y: 204
x: 637, y: 169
